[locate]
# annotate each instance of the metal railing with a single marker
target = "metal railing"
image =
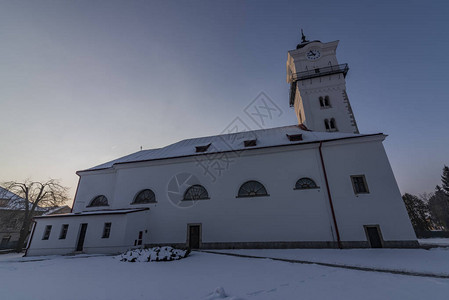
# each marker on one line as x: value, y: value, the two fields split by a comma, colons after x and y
x: 343, y: 68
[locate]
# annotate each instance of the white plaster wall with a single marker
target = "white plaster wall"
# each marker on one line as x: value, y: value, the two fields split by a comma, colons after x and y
x: 309, y: 91
x: 383, y: 205
x: 119, y: 239
x: 92, y: 185
x: 285, y: 215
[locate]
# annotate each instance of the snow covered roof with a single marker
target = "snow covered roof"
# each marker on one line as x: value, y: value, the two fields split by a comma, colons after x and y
x: 57, y: 210
x: 11, y: 201
x: 95, y: 212
x: 272, y: 137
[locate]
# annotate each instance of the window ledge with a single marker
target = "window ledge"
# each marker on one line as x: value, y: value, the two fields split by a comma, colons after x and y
x: 195, y: 199
x: 267, y: 195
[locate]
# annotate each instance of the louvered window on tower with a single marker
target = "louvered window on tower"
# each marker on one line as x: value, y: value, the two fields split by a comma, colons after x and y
x: 202, y: 148
x: 332, y: 125
x: 326, y: 124
x: 250, y: 143
x: 324, y: 102
x: 294, y: 137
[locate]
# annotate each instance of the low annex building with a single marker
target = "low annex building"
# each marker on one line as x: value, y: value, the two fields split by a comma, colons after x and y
x: 317, y: 184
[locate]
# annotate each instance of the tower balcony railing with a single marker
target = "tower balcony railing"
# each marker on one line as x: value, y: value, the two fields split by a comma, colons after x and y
x: 343, y: 68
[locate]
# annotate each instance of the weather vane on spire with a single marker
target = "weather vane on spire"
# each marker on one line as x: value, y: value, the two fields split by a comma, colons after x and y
x: 303, y: 37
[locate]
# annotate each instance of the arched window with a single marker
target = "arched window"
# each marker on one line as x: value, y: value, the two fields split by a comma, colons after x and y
x: 321, y: 102
x: 326, y: 124
x: 326, y: 101
x: 332, y: 125
x: 305, y: 183
x: 196, y: 192
x: 145, y: 196
x: 100, y: 200
x: 252, y: 188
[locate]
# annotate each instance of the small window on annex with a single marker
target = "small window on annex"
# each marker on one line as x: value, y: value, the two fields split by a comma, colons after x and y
x: 145, y: 196
x: 252, y: 188
x: 106, y: 230
x: 359, y: 184
x: 63, y: 233
x: 196, y: 192
x: 47, y: 231
x: 100, y: 200
x: 305, y: 184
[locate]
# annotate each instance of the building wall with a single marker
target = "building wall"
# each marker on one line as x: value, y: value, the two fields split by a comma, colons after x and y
x: 285, y: 218
x: 10, y: 223
x: 382, y: 206
x: 123, y: 230
x: 286, y: 215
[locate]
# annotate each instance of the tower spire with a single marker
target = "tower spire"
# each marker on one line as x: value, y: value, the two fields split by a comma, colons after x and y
x: 303, y: 37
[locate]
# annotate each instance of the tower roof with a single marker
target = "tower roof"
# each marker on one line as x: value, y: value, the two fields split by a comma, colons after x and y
x: 304, y: 41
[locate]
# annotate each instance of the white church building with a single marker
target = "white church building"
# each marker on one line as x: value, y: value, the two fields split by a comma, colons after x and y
x: 317, y: 184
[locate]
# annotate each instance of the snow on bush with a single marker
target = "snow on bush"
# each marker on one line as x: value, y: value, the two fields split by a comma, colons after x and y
x: 165, y: 253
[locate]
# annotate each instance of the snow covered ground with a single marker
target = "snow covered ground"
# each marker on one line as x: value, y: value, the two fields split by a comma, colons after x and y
x: 433, y: 261
x: 204, y: 276
x: 435, y: 241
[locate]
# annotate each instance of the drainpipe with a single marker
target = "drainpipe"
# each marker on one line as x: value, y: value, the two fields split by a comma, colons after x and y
x: 330, y: 197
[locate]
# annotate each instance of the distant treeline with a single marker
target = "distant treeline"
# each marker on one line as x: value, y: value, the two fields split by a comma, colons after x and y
x: 429, y: 213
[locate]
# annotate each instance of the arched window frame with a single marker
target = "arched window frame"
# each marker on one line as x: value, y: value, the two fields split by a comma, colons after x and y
x: 98, y: 201
x: 200, y: 193
x: 246, y: 189
x: 149, y: 195
x: 305, y: 183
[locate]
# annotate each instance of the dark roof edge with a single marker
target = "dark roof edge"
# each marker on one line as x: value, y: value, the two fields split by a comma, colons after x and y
x: 227, y: 151
x: 112, y: 212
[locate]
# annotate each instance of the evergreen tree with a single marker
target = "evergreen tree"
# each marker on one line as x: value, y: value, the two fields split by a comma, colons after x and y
x: 445, y: 180
x: 418, y: 212
x: 439, y: 208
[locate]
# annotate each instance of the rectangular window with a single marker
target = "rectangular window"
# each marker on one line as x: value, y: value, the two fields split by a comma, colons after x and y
x: 106, y: 230
x: 5, y: 241
x: 202, y: 148
x: 294, y: 137
x: 359, y: 184
x: 63, y: 233
x: 250, y: 143
x: 47, y: 232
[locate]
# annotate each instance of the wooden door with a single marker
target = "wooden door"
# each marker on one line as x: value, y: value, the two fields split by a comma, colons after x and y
x: 82, y: 235
x: 194, y: 236
x: 374, y: 236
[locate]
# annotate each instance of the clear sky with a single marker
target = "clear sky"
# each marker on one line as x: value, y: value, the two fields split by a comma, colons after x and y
x: 84, y: 82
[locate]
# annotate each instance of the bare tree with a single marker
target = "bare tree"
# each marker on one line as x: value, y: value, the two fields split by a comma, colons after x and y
x: 29, y: 196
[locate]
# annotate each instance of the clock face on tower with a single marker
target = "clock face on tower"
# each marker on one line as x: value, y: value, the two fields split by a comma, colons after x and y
x: 313, y: 54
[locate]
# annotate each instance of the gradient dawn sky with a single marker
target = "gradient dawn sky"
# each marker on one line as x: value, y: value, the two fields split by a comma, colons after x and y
x: 84, y: 82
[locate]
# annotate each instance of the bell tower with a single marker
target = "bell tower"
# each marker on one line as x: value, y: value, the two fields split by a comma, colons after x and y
x: 318, y: 87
